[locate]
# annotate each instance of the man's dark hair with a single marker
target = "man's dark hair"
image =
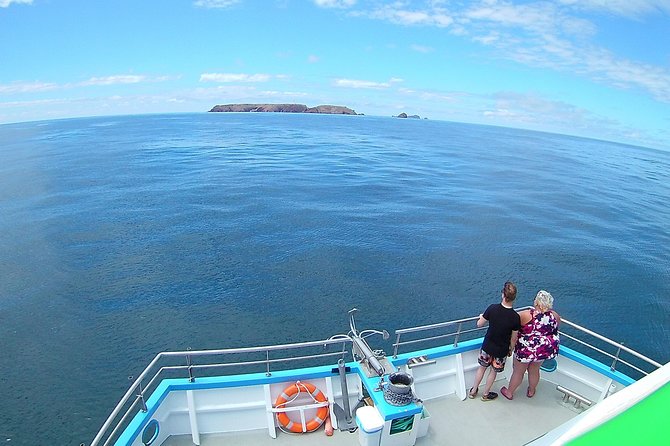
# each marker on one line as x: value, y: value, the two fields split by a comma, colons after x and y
x: 509, y: 290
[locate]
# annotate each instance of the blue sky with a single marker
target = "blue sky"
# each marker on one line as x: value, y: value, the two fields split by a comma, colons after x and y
x: 594, y: 68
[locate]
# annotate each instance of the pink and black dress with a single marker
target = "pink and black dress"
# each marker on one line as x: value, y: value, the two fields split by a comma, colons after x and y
x: 538, y: 339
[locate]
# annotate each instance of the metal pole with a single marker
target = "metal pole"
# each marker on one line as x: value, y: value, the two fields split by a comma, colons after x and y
x: 396, y: 345
x: 458, y: 332
x: 141, y: 395
x: 190, y: 368
x: 616, y: 358
x: 345, y: 391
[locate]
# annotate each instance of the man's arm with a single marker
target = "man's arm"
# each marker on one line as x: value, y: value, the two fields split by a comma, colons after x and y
x: 481, y: 321
x: 512, y: 342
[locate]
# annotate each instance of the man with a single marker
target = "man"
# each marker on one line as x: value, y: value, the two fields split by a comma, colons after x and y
x: 504, y: 323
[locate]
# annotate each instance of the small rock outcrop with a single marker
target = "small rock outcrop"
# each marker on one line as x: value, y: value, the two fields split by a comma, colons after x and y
x: 405, y: 115
x: 284, y: 108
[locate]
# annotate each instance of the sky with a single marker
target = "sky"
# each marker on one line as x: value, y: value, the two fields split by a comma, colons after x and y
x: 593, y: 68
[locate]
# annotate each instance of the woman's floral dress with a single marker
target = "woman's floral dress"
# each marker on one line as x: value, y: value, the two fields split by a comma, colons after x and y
x: 538, y: 339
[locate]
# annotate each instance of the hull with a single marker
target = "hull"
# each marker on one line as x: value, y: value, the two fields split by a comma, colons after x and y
x: 571, y: 400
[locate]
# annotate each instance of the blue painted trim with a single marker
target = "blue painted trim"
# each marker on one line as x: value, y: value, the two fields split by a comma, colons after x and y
x: 166, y: 386
x: 440, y: 352
x: 475, y: 344
x: 387, y: 411
x: 595, y: 365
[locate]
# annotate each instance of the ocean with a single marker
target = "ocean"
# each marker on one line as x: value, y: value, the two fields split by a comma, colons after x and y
x: 125, y: 236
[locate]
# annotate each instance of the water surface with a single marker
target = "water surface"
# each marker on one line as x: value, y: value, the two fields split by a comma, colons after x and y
x: 121, y: 237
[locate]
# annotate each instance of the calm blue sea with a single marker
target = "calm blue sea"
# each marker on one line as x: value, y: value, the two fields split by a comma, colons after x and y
x: 124, y: 236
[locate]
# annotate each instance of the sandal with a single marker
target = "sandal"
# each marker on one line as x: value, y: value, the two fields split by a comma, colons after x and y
x: 489, y: 396
x: 473, y: 395
x: 530, y: 394
x: 505, y: 392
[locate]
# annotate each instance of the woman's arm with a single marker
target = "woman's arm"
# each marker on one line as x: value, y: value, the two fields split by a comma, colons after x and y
x: 512, y: 342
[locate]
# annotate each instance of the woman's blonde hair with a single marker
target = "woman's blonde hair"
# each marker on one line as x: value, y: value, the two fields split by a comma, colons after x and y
x: 544, y: 301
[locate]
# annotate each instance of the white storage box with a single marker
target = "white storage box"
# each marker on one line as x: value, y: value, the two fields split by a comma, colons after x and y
x: 370, y: 424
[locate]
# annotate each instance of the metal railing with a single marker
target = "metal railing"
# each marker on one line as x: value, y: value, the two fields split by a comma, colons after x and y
x: 456, y: 325
x: 133, y: 401
x: 616, y: 357
x: 425, y: 336
x: 456, y: 330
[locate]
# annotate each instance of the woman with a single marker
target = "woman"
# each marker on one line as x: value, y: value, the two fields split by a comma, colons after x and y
x: 538, y: 340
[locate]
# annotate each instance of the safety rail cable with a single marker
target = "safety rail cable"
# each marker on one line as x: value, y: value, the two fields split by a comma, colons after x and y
x: 616, y: 358
x: 611, y: 342
x: 438, y: 325
x: 434, y: 338
x: 423, y: 328
x: 204, y: 353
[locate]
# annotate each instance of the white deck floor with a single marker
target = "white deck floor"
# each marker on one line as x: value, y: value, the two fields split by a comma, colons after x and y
x: 452, y: 422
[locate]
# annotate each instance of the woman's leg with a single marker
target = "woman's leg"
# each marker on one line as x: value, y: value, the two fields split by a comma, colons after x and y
x: 533, y: 376
x: 519, y: 369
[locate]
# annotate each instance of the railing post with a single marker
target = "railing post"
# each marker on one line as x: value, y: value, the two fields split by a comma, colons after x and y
x: 267, y: 363
x: 458, y: 333
x: 616, y: 357
x: 141, y: 394
x: 395, y: 346
x: 190, y: 366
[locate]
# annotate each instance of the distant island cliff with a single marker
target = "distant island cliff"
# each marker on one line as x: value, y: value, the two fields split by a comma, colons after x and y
x: 284, y: 108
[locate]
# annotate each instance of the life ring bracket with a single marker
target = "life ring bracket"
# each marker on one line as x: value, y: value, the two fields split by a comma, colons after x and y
x: 301, y: 407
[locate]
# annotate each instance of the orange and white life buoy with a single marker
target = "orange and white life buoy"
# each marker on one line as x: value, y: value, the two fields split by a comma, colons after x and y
x: 288, y: 395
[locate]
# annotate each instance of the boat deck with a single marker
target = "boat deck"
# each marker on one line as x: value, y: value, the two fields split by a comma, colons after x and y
x: 452, y: 422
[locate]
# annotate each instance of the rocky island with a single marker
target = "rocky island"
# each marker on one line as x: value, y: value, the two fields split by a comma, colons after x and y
x: 284, y: 108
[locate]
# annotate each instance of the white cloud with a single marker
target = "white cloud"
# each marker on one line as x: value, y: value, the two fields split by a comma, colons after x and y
x: 632, y: 9
x: 396, y: 13
x: 6, y: 3
x: 628, y: 74
x: 114, y: 80
x: 33, y: 103
x: 234, y: 77
x: 335, y: 3
x: 312, y: 58
x: 27, y: 87
x: 38, y: 87
x: 214, y: 4
x: 355, y: 83
x: 285, y: 94
x: 538, y: 17
x: 487, y: 39
x: 421, y: 49
x: 539, y: 34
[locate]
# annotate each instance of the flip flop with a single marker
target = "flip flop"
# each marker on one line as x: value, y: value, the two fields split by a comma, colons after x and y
x: 530, y: 394
x: 472, y: 395
x: 505, y: 392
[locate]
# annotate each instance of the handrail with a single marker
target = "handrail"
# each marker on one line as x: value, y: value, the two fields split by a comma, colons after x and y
x: 338, y: 339
x: 188, y: 354
x: 459, y: 322
x: 609, y: 341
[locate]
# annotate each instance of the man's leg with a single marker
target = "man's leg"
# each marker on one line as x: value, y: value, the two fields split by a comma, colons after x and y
x: 490, y: 380
x: 478, y: 379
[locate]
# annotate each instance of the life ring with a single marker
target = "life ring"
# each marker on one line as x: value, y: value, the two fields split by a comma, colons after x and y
x: 287, y: 395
